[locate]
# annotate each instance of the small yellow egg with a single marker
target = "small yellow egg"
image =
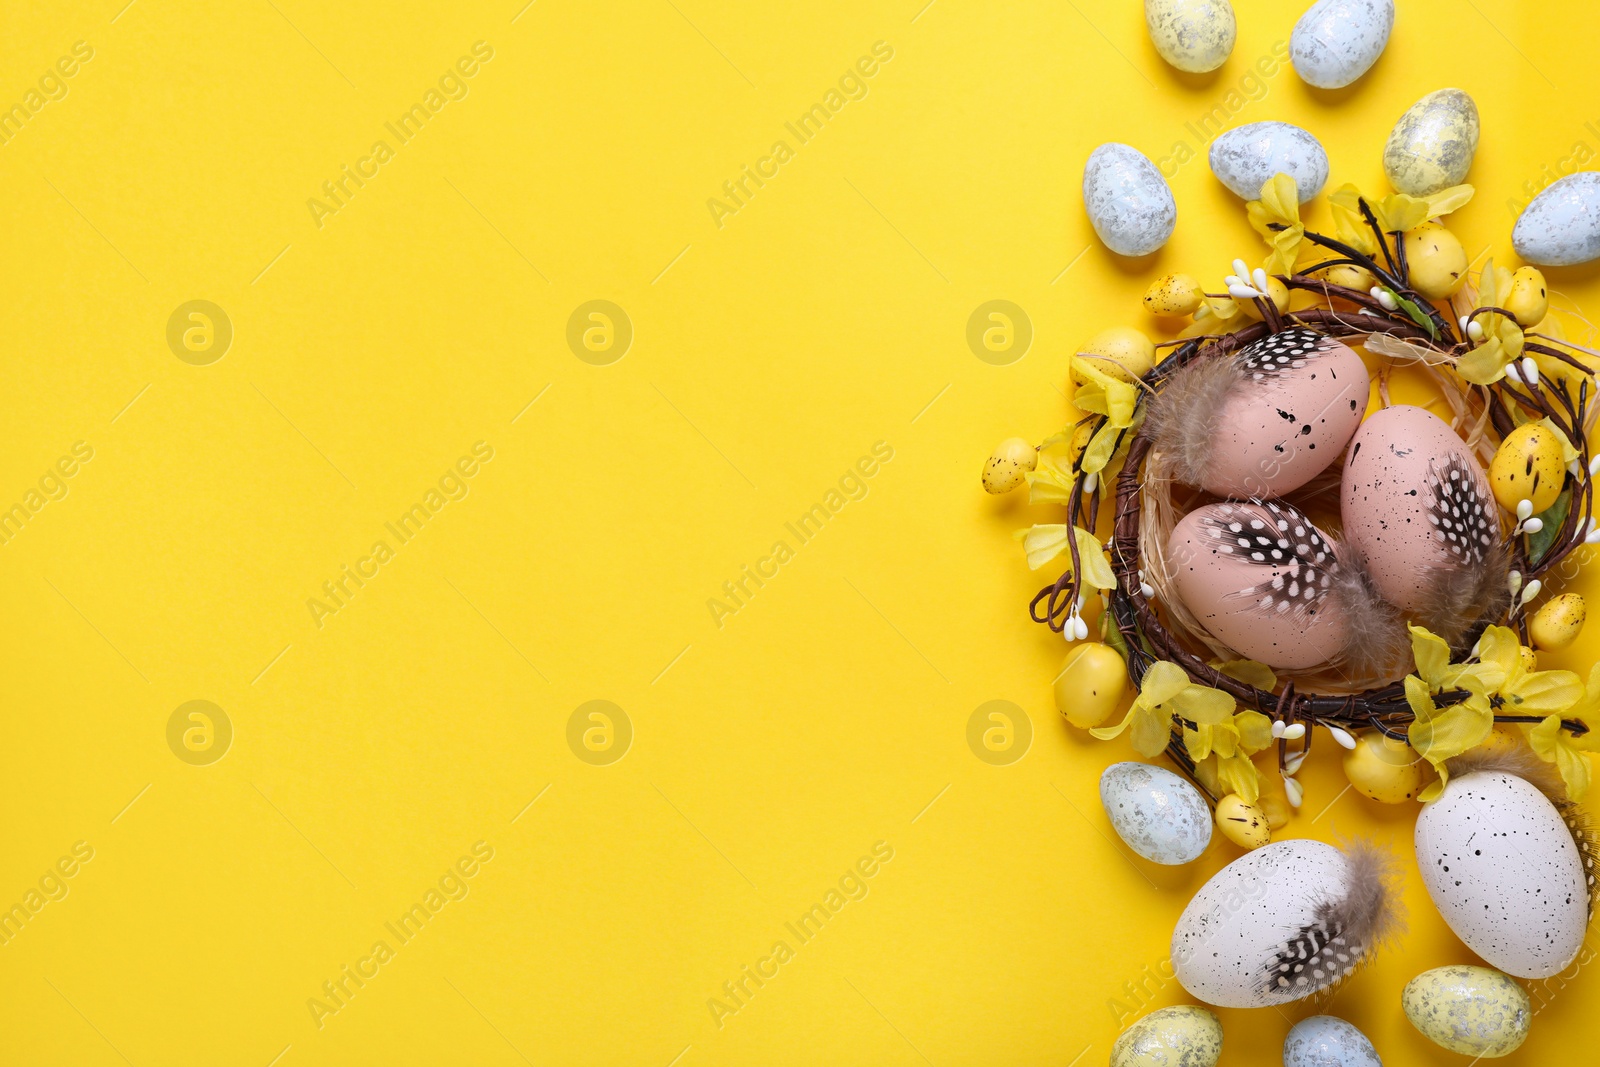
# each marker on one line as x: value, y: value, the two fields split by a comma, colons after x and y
x: 1172, y: 294
x: 1436, y: 260
x: 1241, y: 822
x: 1280, y: 300
x: 1530, y: 659
x: 1527, y: 300
x: 1501, y: 742
x: 1383, y: 768
x: 1558, y: 623
x: 1121, y: 352
x: 1091, y: 684
x: 1081, y: 436
x: 1008, y: 467
x: 1527, y: 466
x: 1350, y: 276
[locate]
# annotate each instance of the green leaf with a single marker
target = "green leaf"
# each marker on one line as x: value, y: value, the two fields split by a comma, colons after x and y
x: 1553, y: 516
x: 1111, y: 634
x: 1418, y: 316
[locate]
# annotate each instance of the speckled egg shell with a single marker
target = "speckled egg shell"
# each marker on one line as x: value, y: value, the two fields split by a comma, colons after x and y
x: 1470, y: 1010
x: 1239, y: 931
x: 1326, y: 1041
x: 1414, y: 500
x: 1158, y: 814
x: 1245, y: 158
x: 1561, y: 227
x: 1337, y: 41
x: 1262, y: 580
x: 1128, y: 201
x: 1192, y: 35
x: 1432, y: 146
x: 1181, y: 1036
x: 1302, y: 398
x: 1503, y: 870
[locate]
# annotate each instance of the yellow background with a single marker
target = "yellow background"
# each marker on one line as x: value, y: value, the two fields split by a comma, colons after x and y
x: 768, y: 754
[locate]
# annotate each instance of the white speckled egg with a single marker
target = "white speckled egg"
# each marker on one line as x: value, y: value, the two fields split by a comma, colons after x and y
x: 1326, y: 1041
x: 1470, y: 1010
x: 1192, y: 35
x: 1262, y: 580
x: 1182, y: 1036
x: 1248, y: 938
x: 1417, y: 506
x: 1266, y: 420
x: 1561, y: 227
x: 1504, y: 871
x: 1158, y: 814
x: 1128, y: 200
x: 1337, y: 41
x: 1243, y: 159
x: 1432, y: 146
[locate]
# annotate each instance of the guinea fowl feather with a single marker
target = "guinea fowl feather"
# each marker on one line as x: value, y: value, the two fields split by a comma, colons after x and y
x: 1346, y: 929
x: 1184, y: 416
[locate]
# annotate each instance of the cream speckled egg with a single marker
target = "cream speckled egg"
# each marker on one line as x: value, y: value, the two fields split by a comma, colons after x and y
x: 1129, y: 203
x: 1262, y: 580
x: 1561, y: 227
x: 1265, y: 420
x: 1181, y: 1036
x: 1192, y: 35
x: 1337, y: 41
x: 1504, y: 871
x: 1252, y: 936
x: 1470, y: 1010
x: 1158, y: 814
x: 1327, y: 1041
x: 1416, y: 504
x: 1432, y: 146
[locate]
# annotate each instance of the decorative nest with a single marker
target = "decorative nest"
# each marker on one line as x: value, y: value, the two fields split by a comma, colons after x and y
x: 1147, y: 623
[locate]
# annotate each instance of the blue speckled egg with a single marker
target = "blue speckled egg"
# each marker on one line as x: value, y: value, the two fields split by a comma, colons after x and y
x: 1326, y: 1041
x: 1158, y: 814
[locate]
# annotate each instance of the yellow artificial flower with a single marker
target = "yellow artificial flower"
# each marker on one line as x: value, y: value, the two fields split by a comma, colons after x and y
x: 1502, y: 339
x: 1432, y: 657
x: 1351, y: 225
x: 1104, y: 395
x: 1249, y: 672
x: 1046, y: 541
x: 1228, y: 746
x: 1276, y: 217
x: 1217, y: 315
x: 1553, y: 744
x: 1521, y: 691
x: 1438, y: 736
x: 1396, y: 212
x: 1164, y: 692
x: 1051, y: 481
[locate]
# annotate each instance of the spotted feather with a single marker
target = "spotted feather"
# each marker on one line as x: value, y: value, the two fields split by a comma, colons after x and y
x: 1281, y: 352
x: 1301, y: 565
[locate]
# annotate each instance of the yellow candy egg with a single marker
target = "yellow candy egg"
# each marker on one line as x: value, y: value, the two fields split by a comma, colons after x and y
x: 1527, y: 299
x: 1172, y: 295
x: 1436, y: 260
x: 1558, y: 623
x: 1091, y: 684
x: 1280, y: 300
x: 1530, y: 660
x: 1528, y: 466
x: 1242, y: 822
x: 1008, y: 467
x: 1383, y: 768
x: 1350, y: 276
x: 1121, y: 352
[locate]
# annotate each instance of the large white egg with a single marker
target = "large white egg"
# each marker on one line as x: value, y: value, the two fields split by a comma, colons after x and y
x: 1262, y: 580
x: 1158, y: 814
x: 1265, y: 420
x: 1561, y: 227
x: 1417, y: 506
x: 1337, y: 41
x: 1257, y: 935
x: 1244, y: 159
x: 1504, y: 871
x: 1129, y: 203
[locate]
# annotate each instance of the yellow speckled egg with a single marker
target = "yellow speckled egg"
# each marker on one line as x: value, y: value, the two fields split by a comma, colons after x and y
x: 1192, y: 35
x: 1242, y: 822
x: 1121, y: 352
x: 1186, y: 1035
x: 1432, y: 146
x: 1172, y: 295
x: 1471, y: 1010
x: 1528, y: 301
x: 1559, y: 622
x: 1436, y: 260
x: 1091, y: 684
x: 1008, y: 467
x: 1527, y: 466
x: 1350, y: 276
x: 1384, y: 769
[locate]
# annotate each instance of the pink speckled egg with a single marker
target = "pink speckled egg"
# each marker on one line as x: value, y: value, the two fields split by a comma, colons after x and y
x: 1262, y: 580
x: 1417, y: 506
x: 1267, y: 419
